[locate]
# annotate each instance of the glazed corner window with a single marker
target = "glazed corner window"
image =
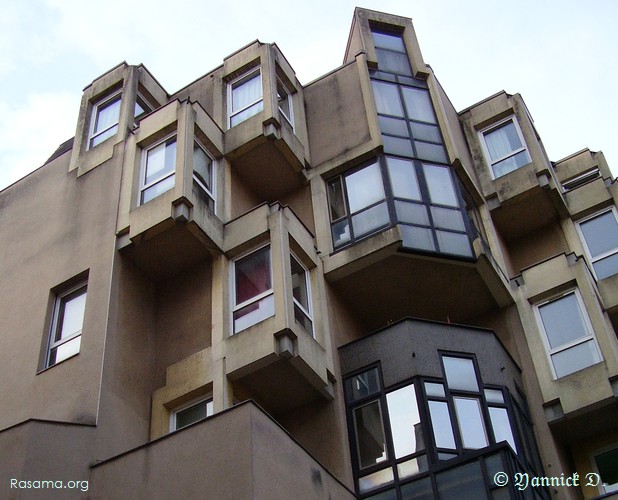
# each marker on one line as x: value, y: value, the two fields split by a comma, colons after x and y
x: 66, y: 329
x: 203, y: 174
x: 504, y: 147
x: 569, y: 339
x: 301, y: 295
x: 158, y: 169
x: 253, y: 291
x: 190, y: 413
x: 284, y: 99
x: 141, y: 107
x: 600, y: 234
x: 104, y: 122
x: 245, y: 97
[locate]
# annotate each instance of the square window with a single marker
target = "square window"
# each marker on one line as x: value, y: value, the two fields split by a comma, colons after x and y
x: 104, y: 122
x: 158, y: 170
x: 504, y: 146
x: 301, y: 295
x: 67, y: 322
x: 190, y: 413
x: 253, y: 292
x: 606, y: 463
x: 245, y: 97
x: 284, y: 99
x: 600, y: 235
x: 569, y: 337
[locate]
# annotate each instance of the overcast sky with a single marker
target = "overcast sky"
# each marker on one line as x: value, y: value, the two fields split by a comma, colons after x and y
x: 561, y: 56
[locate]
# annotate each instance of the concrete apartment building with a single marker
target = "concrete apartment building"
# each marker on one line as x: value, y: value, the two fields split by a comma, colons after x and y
x: 254, y: 288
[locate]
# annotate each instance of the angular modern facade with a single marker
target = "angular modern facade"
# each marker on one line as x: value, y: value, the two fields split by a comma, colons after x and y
x: 254, y: 288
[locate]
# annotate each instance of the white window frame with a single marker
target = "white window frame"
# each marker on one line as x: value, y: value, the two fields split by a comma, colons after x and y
x: 289, y: 119
x: 212, y: 193
x: 174, y: 413
x: 230, y: 88
x: 257, y: 298
x: 143, y: 164
x: 589, y: 257
x: 564, y: 347
x: 59, y: 305
x: 309, y: 312
x: 117, y: 96
x: 493, y: 127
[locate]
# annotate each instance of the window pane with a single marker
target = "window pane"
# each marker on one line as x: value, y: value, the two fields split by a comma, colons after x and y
x: 606, y: 267
x: 364, y: 187
x: 65, y: 351
x: 601, y: 234
x: 301, y: 317
x: 363, y: 384
x: 405, y: 421
x: 575, y: 358
x: 160, y: 160
x: 72, y: 316
x: 299, y: 283
x: 419, y: 238
x: 511, y: 163
x: 246, y: 91
x: 412, y: 213
x: 387, y: 98
x: 393, y: 62
x: 607, y: 465
x: 418, y: 104
x: 202, y: 166
x: 104, y: 135
x: 563, y: 320
x: 441, y: 424
x: 494, y: 396
x: 157, y: 189
x: 424, y: 132
x: 464, y: 483
x: 413, y: 467
x: 370, y: 220
x: 252, y: 275
x: 471, y: 424
x: 431, y: 152
x: 446, y: 218
x: 418, y: 490
x: 335, y: 198
x: 393, y: 126
x: 283, y: 97
x: 433, y: 389
x: 502, y: 141
x: 107, y: 115
x: 247, y: 113
x: 369, y: 434
x: 454, y: 243
x: 403, y: 179
x: 501, y: 426
x: 494, y: 464
x: 385, y: 495
x: 460, y: 373
x: 341, y: 233
x: 195, y: 413
x: 254, y: 313
x: 440, y: 185
x: 397, y: 146
x: 391, y: 41
x: 373, y: 481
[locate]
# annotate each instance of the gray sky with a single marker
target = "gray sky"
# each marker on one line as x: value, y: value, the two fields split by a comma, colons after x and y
x: 559, y: 55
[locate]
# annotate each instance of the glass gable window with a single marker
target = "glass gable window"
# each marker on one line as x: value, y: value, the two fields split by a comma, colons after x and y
x: 505, y: 148
x: 158, y: 170
x: 301, y: 295
x: 421, y: 197
x: 190, y: 413
x: 569, y: 338
x: 253, y: 292
x: 104, y: 122
x: 203, y: 174
x: 245, y: 97
x: 600, y: 234
x: 66, y: 329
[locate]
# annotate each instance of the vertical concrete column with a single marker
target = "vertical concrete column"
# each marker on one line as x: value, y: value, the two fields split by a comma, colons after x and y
x: 222, y: 392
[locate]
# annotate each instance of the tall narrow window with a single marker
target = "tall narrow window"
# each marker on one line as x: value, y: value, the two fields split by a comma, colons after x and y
x: 245, y: 97
x: 66, y: 330
x: 203, y: 174
x: 301, y: 295
x: 104, y: 122
x: 569, y: 338
x: 284, y: 99
x: 158, y: 169
x: 253, y: 292
x: 505, y: 148
x: 600, y: 234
